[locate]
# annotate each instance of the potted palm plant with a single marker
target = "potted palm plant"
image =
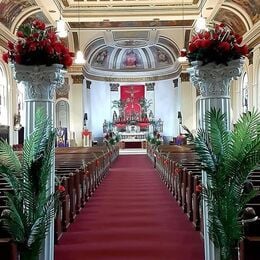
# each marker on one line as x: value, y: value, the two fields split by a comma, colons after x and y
x: 228, y: 157
x: 30, y: 207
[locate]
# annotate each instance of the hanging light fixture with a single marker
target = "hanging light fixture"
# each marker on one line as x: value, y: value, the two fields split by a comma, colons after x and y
x: 201, y: 22
x: 182, y: 58
x: 61, y: 26
x: 79, y: 54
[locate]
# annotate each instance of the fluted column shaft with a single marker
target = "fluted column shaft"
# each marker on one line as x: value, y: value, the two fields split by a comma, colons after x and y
x: 39, y: 84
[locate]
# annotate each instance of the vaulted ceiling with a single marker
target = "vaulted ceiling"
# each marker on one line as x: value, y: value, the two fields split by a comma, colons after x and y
x: 173, y: 19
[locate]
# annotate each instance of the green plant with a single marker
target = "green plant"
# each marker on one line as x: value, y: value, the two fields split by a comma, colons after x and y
x: 31, y: 206
x: 228, y: 157
x: 145, y: 104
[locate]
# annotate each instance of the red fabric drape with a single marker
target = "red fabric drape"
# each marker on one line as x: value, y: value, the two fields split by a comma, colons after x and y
x: 132, y: 94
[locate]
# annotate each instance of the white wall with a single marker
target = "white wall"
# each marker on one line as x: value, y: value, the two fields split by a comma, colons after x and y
x: 188, y: 105
x: 166, y: 106
x: 100, y: 107
x: 76, y: 112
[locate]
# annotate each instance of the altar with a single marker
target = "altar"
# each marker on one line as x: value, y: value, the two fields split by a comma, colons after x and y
x: 133, y: 140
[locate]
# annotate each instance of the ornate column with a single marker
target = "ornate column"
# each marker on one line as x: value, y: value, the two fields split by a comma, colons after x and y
x: 213, y: 83
x: 39, y: 83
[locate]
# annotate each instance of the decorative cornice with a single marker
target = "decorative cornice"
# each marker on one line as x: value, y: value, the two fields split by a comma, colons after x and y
x: 133, y: 77
x: 185, y: 76
x: 114, y: 87
x: 130, y: 24
x: 150, y: 86
x: 63, y: 90
x: 77, y: 79
x: 75, y: 69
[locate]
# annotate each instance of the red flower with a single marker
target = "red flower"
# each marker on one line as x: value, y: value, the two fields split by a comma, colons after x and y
x: 192, y: 47
x: 67, y: 60
x: 225, y: 46
x: 35, y: 35
x: 38, y: 24
x: 61, y: 188
x: 38, y: 46
x: 5, y: 57
x: 205, y: 43
x: 20, y: 34
x: 198, y: 188
x: 206, y: 35
x: 19, y: 48
x: 239, y: 38
x: 183, y: 53
x: 18, y: 59
x: 244, y: 50
x: 219, y: 45
x: 10, y: 45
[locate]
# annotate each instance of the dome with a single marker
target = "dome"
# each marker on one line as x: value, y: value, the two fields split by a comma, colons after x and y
x: 131, y: 56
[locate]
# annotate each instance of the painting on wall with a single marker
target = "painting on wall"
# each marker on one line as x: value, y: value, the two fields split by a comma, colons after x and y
x: 131, y: 60
x: 252, y: 7
x: 101, y: 58
x: 131, y: 94
x: 9, y: 10
x: 231, y: 20
x: 161, y: 57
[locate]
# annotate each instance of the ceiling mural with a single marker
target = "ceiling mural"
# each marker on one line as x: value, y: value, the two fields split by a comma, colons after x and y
x: 231, y: 20
x: 161, y: 57
x: 10, y: 9
x: 101, y: 58
x: 252, y: 7
x: 131, y: 59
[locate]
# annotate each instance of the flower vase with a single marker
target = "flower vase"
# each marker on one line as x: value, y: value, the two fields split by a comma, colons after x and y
x: 213, y: 82
x: 39, y: 83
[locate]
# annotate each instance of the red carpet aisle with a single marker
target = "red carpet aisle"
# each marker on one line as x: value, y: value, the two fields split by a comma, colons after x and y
x: 131, y: 216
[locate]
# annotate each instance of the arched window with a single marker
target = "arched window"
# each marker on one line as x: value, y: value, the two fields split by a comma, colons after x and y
x: 62, y: 114
x: 62, y: 122
x: 3, y: 97
x: 244, y: 93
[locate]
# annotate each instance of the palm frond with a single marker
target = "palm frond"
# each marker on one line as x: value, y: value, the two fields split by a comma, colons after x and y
x: 31, y: 209
x: 204, y: 150
x: 229, y: 158
x: 8, y: 157
x: 42, y: 224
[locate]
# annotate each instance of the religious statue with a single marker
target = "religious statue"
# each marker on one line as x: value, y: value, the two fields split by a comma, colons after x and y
x: 114, y: 116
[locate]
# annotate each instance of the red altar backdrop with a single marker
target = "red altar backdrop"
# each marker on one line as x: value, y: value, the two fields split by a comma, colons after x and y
x: 132, y: 94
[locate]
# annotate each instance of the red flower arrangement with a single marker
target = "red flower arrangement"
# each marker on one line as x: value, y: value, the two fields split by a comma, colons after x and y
x: 37, y: 45
x: 219, y: 45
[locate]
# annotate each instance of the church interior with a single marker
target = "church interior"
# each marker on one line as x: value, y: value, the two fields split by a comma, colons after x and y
x: 129, y: 86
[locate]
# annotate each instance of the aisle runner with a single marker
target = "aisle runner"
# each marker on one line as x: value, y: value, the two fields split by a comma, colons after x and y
x: 131, y: 216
